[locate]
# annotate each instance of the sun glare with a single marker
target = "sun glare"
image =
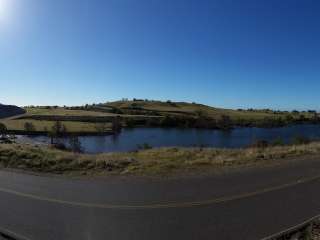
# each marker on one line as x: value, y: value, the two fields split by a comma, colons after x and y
x: 4, y: 10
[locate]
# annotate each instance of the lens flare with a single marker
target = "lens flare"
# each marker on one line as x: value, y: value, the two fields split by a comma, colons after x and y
x: 4, y: 10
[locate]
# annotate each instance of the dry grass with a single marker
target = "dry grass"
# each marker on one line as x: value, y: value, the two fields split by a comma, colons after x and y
x: 192, y: 108
x: 147, y: 162
x: 18, y: 124
x: 64, y: 112
x: 78, y: 120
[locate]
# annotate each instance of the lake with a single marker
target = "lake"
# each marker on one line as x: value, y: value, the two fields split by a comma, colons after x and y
x: 129, y: 139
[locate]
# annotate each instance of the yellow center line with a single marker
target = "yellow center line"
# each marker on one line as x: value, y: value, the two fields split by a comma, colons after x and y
x: 161, y: 205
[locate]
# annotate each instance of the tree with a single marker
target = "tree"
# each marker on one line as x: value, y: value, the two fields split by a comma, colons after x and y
x: 3, y: 130
x: 63, y: 130
x: 52, y: 136
x: 201, y: 114
x: 299, y: 140
x: 56, y: 127
x: 29, y: 127
x: 289, y: 118
x: 57, y: 130
x: 130, y: 123
x: 225, y: 122
x: 302, y: 118
x: 101, y: 127
x: 75, y: 144
x: 295, y: 112
x: 116, y: 124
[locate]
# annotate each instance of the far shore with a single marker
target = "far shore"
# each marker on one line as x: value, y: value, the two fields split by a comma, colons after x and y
x: 110, y: 132
x: 100, y: 118
x: 67, y: 134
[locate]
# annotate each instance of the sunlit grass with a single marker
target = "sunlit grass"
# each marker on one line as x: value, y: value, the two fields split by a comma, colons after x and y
x: 161, y: 161
x: 18, y: 124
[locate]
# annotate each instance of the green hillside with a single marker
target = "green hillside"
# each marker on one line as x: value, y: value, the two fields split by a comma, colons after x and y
x: 153, y: 114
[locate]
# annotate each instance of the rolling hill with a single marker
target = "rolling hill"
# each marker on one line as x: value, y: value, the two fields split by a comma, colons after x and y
x: 10, y: 111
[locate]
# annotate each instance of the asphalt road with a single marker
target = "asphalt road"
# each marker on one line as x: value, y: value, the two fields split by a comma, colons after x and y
x: 239, y: 204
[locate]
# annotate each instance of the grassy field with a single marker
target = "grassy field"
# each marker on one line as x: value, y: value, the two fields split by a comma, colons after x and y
x: 194, y: 108
x: 60, y: 111
x: 162, y: 161
x: 64, y: 112
x: 163, y: 108
x: 18, y: 124
x: 150, y: 113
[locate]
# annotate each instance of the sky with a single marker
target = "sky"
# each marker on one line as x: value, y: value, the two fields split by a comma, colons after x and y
x: 228, y: 53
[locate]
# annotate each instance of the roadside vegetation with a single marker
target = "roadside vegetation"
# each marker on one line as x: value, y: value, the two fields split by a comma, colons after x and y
x: 160, y: 161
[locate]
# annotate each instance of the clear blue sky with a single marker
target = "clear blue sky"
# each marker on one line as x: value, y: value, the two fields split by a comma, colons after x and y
x: 240, y: 53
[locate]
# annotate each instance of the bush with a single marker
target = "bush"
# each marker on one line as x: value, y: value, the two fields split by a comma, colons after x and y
x: 299, y: 140
x: 57, y: 130
x: 224, y: 122
x: 101, y: 127
x: 59, y: 146
x: 168, y: 121
x: 29, y: 127
x: 116, y: 124
x: 302, y: 118
x: 75, y: 144
x: 3, y: 129
x: 172, y: 104
x: 200, y: 113
x: 130, y: 123
x: 260, y: 144
x: 271, y: 122
x: 289, y: 118
x: 277, y: 142
x: 295, y: 112
x: 144, y: 146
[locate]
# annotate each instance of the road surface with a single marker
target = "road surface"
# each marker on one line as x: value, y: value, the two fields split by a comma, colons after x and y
x: 250, y: 203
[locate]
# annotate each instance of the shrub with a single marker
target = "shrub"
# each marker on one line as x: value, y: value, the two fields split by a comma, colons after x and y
x: 277, y: 142
x: 75, y: 144
x: 59, y: 146
x: 225, y: 122
x: 144, y: 146
x: 289, y: 118
x: 101, y: 127
x: 302, y: 118
x: 260, y: 144
x: 200, y: 113
x: 169, y: 102
x: 298, y: 140
x: 168, y: 121
x: 130, y: 123
x: 116, y: 124
x: 3, y: 130
x: 57, y: 130
x: 295, y: 112
x: 29, y: 127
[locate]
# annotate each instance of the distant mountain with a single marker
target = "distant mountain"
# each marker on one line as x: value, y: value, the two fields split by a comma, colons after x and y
x: 10, y: 110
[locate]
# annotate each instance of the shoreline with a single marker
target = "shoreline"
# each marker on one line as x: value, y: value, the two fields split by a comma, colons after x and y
x: 68, y: 134
x: 109, y: 133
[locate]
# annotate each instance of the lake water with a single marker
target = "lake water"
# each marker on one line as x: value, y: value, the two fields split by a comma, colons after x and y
x: 129, y: 139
